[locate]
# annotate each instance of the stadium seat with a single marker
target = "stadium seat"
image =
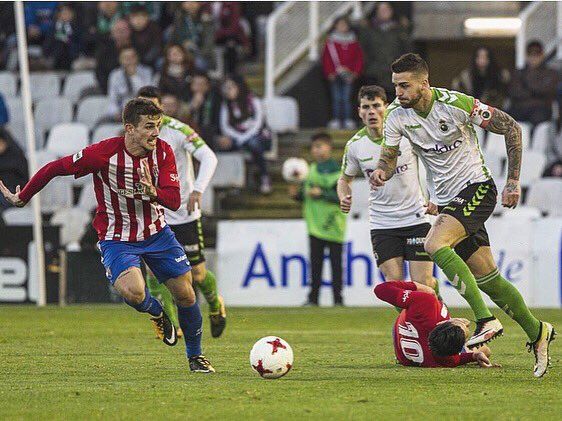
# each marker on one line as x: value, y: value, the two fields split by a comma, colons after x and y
x: 231, y: 170
x: 208, y: 202
x: 532, y: 167
x: 541, y: 136
x: 282, y: 114
x: 51, y: 111
x: 8, y: 84
x: 16, y: 124
x: 360, y: 201
x: 494, y: 162
x: 546, y: 195
x: 57, y: 193
x: 67, y: 138
x: 73, y: 222
x: 44, y: 85
x: 106, y: 130
x: 87, y: 199
x: 91, y: 109
x: 76, y: 82
x: 526, y: 129
x: 18, y: 216
x: 522, y: 212
x: 495, y: 143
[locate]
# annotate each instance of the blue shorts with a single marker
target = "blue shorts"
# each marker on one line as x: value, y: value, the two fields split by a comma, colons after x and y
x: 161, y: 252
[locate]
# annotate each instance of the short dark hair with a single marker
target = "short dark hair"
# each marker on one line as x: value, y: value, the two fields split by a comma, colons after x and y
x: 371, y: 92
x: 446, y: 339
x: 321, y: 136
x: 409, y: 62
x: 136, y: 108
x: 138, y: 8
x: 150, y: 92
x: 535, y: 45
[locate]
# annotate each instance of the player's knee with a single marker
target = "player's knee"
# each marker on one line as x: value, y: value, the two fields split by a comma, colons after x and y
x: 133, y: 296
x: 185, y: 299
x: 432, y: 244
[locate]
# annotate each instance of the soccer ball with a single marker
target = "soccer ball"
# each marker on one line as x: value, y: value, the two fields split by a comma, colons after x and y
x: 271, y: 357
x: 294, y: 170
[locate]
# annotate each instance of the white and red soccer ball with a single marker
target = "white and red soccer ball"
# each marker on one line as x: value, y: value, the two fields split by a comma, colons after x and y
x: 271, y: 357
x: 294, y: 170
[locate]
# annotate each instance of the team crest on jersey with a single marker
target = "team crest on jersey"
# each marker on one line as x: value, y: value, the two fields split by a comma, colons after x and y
x: 443, y: 126
x: 77, y: 156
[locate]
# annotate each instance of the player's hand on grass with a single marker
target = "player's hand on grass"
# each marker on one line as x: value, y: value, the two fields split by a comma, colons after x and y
x: 146, y: 179
x: 345, y: 204
x: 13, y: 198
x: 511, y: 193
x: 315, y: 192
x: 483, y: 361
x: 431, y: 208
x: 194, y: 201
x: 377, y: 179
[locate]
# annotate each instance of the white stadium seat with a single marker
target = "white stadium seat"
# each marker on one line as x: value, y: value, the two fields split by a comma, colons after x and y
x: 67, y: 138
x: 494, y: 162
x: 16, y: 124
x: 532, y: 167
x: 8, y: 84
x: 360, y: 198
x: 18, y: 216
x: 73, y: 222
x: 522, y: 212
x: 541, y: 136
x: 76, y: 82
x: 495, y: 143
x: 282, y: 114
x: 525, y: 134
x: 44, y: 85
x: 231, y: 170
x: 51, y: 111
x: 107, y: 130
x: 91, y: 109
x: 546, y: 194
x: 57, y: 193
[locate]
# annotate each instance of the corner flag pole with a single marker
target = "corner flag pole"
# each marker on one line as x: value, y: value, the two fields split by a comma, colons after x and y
x: 31, y: 158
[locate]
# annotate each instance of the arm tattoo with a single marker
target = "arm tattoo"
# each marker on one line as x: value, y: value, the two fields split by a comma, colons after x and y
x: 387, y: 161
x: 503, y: 123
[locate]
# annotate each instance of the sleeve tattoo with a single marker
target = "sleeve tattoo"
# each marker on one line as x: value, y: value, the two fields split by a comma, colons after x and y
x: 503, y: 123
x: 387, y: 161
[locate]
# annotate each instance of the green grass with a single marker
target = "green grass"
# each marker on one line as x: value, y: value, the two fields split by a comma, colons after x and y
x: 84, y: 362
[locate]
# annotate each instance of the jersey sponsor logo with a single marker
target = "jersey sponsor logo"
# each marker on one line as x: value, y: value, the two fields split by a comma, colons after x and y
x: 174, y: 177
x: 181, y: 258
x: 77, y: 156
x: 458, y: 200
x: 415, y: 241
x: 441, y: 148
x: 413, y: 126
x: 139, y: 189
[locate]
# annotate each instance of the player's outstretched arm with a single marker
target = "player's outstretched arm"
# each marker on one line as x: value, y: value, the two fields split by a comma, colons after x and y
x: 502, y: 123
x: 344, y: 192
x: 385, y: 167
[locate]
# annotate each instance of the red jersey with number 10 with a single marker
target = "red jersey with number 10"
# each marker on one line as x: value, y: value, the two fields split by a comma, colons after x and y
x: 421, y: 313
x: 124, y: 213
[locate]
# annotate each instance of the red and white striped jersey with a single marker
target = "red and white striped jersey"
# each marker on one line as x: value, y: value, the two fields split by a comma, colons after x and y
x: 124, y: 213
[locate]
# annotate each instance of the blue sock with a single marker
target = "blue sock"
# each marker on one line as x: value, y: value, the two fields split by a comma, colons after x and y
x: 190, y: 322
x: 149, y: 305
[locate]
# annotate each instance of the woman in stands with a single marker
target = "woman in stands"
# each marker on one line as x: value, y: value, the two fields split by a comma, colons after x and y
x: 242, y: 124
x: 176, y: 72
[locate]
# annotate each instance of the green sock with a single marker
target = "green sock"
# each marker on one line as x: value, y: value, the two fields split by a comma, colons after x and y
x: 209, y: 289
x: 160, y: 292
x: 462, y: 279
x: 508, y: 298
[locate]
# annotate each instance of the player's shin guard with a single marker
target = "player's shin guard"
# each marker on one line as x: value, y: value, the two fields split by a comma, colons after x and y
x: 462, y: 279
x: 209, y: 289
x: 149, y: 305
x: 508, y: 298
x: 190, y: 322
x: 162, y: 293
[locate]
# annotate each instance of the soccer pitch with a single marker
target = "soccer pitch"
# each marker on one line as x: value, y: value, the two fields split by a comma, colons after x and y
x: 102, y: 361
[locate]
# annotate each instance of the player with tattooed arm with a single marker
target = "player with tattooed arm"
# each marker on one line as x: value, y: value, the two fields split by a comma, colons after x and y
x: 439, y: 125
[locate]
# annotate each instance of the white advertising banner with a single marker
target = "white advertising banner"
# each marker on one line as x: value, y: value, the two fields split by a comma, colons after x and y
x: 265, y: 262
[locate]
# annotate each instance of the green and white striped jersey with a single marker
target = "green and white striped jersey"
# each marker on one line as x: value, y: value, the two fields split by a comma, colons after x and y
x: 444, y: 139
x: 399, y: 203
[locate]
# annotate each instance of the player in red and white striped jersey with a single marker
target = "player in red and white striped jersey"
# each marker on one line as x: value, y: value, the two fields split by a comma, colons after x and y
x: 134, y: 177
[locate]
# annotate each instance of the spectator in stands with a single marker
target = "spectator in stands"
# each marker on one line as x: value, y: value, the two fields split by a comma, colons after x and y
x: 176, y: 72
x: 107, y: 51
x: 108, y: 14
x: 194, y: 29
x: 4, y: 116
x: 63, y: 42
x: 554, y: 169
x: 325, y: 221
x: 383, y: 40
x: 342, y: 62
x: 7, y: 33
x: 533, y: 88
x: 172, y: 106
x: 125, y: 81
x: 13, y: 165
x: 484, y: 79
x: 230, y: 33
x: 146, y: 35
x: 204, y: 108
x: 39, y: 20
x: 242, y: 124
